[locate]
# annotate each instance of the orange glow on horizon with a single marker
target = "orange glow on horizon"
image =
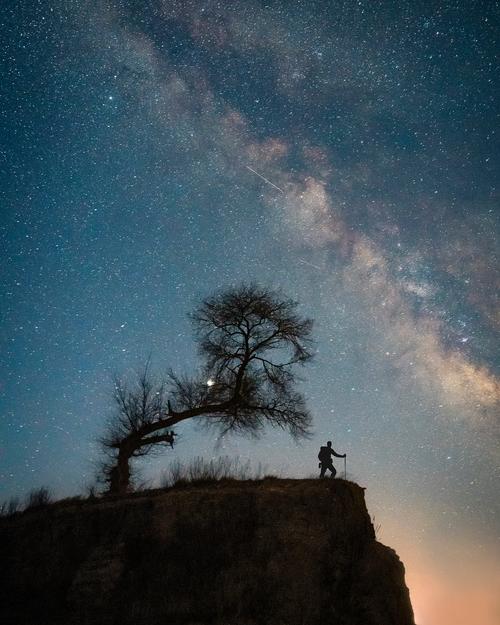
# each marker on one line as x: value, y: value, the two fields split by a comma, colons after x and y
x: 451, y: 583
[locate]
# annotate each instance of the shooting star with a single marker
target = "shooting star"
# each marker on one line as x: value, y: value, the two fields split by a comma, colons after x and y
x: 265, y: 179
x: 306, y: 262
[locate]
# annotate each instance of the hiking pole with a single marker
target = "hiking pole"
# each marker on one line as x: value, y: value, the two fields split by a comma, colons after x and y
x: 345, y: 466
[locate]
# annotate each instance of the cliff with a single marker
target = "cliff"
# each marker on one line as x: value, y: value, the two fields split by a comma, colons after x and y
x: 279, y: 552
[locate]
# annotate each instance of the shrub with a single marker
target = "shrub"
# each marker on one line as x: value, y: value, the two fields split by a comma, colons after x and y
x: 38, y: 497
x: 10, y: 507
x: 91, y: 491
x: 377, y: 527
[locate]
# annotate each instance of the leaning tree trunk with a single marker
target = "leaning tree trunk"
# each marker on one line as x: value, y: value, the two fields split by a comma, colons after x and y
x: 119, y: 475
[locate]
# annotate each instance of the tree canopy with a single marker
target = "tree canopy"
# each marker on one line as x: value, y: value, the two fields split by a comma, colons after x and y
x: 250, y: 340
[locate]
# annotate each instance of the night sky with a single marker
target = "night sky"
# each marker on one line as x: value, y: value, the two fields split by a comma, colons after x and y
x: 346, y: 152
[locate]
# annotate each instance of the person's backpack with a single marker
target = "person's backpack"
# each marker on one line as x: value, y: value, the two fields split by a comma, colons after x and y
x: 324, y: 454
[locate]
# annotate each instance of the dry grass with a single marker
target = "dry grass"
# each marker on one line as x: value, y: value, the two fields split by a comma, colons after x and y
x: 10, y: 507
x: 201, y: 471
x: 38, y: 498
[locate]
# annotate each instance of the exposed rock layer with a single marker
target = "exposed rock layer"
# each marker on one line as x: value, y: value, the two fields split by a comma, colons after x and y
x: 279, y: 552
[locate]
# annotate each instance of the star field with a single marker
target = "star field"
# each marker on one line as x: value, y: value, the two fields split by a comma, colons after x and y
x: 346, y: 152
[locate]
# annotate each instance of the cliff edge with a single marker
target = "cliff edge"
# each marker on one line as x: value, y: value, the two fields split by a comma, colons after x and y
x: 279, y: 552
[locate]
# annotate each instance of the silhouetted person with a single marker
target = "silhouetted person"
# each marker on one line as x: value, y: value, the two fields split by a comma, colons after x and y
x: 325, y: 459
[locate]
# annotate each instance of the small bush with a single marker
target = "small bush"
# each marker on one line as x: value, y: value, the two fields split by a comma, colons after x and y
x: 142, y: 485
x: 377, y: 527
x: 38, y: 497
x: 10, y: 507
x: 91, y: 491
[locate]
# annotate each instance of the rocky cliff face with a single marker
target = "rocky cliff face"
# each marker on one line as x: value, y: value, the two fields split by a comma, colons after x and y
x: 279, y: 552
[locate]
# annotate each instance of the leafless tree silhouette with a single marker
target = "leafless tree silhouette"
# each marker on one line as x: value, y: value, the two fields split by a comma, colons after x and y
x: 250, y: 340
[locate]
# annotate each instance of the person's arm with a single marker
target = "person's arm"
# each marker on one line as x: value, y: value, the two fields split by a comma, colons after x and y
x: 337, y: 455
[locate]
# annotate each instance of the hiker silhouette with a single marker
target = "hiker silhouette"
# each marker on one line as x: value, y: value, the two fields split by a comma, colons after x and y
x: 325, y: 459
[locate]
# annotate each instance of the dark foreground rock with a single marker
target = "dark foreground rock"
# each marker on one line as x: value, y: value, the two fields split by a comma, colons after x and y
x: 275, y: 552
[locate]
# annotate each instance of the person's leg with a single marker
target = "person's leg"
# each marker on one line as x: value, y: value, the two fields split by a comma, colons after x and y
x: 332, y: 470
x: 323, y: 469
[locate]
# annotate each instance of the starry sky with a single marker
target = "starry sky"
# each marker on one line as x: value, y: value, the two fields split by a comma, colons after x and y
x: 346, y: 152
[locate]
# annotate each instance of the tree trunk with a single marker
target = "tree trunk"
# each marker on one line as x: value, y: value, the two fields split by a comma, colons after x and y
x: 119, y: 476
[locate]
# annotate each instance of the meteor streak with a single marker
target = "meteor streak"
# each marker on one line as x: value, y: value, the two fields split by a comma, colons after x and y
x: 306, y: 262
x: 265, y: 179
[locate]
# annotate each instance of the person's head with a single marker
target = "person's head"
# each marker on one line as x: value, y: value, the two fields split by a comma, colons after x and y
x: 329, y: 443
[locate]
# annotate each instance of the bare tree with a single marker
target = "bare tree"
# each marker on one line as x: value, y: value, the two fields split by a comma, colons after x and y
x: 130, y: 432
x: 250, y: 340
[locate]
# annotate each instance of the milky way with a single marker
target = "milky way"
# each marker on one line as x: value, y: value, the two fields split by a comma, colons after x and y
x: 345, y: 152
